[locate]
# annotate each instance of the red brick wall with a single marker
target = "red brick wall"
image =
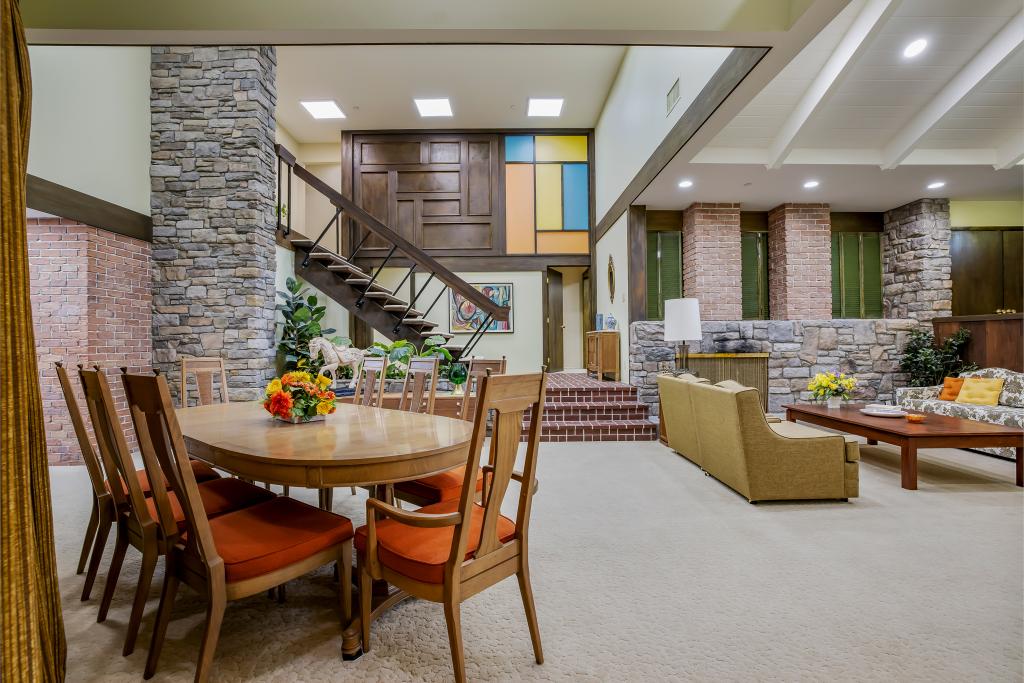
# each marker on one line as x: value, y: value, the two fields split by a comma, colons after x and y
x: 91, y: 304
x: 712, y: 264
x: 800, y: 262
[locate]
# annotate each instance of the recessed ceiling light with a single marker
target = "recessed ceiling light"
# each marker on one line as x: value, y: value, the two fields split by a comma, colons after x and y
x: 915, y: 48
x: 324, y: 109
x: 434, y: 107
x: 811, y: 184
x: 539, y: 106
x: 685, y: 183
x: 936, y: 185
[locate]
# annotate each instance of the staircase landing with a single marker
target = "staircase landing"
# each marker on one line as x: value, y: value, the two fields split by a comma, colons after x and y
x: 580, y: 408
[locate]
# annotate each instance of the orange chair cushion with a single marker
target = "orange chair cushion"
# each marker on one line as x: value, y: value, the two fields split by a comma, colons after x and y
x: 219, y: 496
x: 438, y: 488
x: 951, y: 388
x: 421, y: 553
x: 200, y: 470
x: 266, y: 537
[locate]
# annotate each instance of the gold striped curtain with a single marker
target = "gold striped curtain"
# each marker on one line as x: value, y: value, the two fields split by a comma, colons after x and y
x: 33, y: 646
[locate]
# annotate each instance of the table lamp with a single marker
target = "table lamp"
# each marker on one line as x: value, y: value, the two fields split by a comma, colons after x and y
x: 682, y: 325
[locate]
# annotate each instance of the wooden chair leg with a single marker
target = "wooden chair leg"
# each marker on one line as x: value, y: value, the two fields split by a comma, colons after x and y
x: 352, y: 490
x: 149, y: 558
x: 102, y: 532
x: 531, y: 611
x: 345, y: 582
x: 281, y: 595
x: 115, y: 569
x: 286, y: 489
x: 365, y: 603
x: 452, y: 619
x: 163, y: 617
x: 90, y: 535
x: 214, y: 618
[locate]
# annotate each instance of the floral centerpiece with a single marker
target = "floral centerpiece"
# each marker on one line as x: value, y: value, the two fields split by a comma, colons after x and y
x: 831, y: 387
x: 298, y: 397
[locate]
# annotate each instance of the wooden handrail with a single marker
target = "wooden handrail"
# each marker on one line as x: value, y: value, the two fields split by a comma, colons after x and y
x: 411, y: 251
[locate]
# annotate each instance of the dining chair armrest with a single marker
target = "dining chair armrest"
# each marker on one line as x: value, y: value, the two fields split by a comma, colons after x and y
x: 517, y: 475
x: 410, y: 517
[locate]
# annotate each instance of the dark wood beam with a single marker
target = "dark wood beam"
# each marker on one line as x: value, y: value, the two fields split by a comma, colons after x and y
x: 58, y: 200
x: 524, y: 262
x: 729, y: 75
x: 636, y: 292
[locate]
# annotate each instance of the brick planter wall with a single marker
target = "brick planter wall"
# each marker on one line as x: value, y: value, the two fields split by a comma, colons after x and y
x: 212, y: 176
x: 712, y: 265
x: 91, y: 304
x: 916, y: 264
x: 869, y: 349
x: 800, y: 262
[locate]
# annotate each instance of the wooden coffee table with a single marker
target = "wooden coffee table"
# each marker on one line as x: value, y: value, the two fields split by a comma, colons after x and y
x: 937, y: 431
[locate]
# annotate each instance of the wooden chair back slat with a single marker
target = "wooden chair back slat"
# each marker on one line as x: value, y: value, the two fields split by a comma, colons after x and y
x: 92, y: 461
x: 370, y: 382
x: 204, y: 370
x: 477, y: 370
x: 160, y: 438
x: 420, y: 387
x: 508, y: 397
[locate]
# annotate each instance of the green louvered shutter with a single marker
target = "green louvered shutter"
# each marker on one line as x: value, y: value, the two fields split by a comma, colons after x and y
x: 671, y: 266
x: 871, y: 269
x: 654, y: 311
x: 851, y: 275
x: 837, y: 258
x: 749, y: 280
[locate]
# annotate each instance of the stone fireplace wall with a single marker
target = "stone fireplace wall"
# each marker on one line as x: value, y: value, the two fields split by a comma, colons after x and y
x: 212, y: 176
x: 916, y: 263
x: 869, y: 349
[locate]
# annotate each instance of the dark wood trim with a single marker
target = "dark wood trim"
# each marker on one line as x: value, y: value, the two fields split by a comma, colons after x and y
x: 64, y: 202
x: 664, y: 221
x: 856, y: 221
x: 753, y: 221
x: 733, y: 70
x: 983, y: 228
x: 464, y: 263
x: 636, y: 292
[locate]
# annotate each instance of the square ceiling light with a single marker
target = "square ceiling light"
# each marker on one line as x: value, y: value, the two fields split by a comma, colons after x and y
x: 324, y: 109
x: 539, y: 106
x: 434, y: 107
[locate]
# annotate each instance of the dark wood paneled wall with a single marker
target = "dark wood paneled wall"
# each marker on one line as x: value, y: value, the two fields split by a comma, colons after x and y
x: 997, y: 341
x: 987, y: 270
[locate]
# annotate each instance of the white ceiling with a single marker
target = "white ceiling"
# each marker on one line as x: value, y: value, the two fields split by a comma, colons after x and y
x: 488, y: 85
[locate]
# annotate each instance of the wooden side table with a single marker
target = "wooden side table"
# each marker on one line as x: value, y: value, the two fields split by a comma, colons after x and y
x: 603, y: 353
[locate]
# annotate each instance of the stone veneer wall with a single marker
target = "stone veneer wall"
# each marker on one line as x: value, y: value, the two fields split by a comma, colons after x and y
x: 712, y: 263
x: 916, y: 264
x: 869, y: 349
x: 213, y: 175
x: 91, y: 304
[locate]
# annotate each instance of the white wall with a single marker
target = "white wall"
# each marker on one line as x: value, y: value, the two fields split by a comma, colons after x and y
x: 336, y: 316
x: 90, y: 121
x: 297, y: 209
x: 615, y: 244
x: 633, y: 122
x: 572, y: 318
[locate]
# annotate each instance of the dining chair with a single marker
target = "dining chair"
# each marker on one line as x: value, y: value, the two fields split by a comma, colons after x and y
x: 233, y: 555
x: 203, y: 369
x: 371, y: 381
x: 478, y: 368
x: 420, y: 386
x: 137, y: 513
x: 450, y: 551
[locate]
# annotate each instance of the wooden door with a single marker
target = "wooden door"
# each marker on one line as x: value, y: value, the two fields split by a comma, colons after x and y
x: 554, y: 325
x: 442, y: 192
x: 977, y: 271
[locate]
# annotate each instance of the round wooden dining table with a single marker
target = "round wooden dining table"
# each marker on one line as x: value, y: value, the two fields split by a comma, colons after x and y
x: 355, y: 446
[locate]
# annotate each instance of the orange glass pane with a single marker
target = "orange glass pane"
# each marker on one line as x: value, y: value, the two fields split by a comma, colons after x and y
x: 519, y: 209
x: 563, y: 242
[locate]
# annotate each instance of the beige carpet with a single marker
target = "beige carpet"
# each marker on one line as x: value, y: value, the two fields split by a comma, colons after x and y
x: 646, y: 570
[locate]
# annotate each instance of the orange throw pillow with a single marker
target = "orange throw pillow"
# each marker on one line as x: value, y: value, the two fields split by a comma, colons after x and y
x: 951, y: 388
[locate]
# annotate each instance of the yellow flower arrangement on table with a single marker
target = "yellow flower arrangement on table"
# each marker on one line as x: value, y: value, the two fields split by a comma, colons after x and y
x: 299, y: 397
x: 826, y: 385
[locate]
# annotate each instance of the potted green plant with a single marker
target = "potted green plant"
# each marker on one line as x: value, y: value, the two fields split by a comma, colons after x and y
x: 928, y: 363
x: 302, y: 314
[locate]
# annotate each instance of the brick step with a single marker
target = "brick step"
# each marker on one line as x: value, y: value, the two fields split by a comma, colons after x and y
x: 602, y: 410
x: 572, y: 395
x: 598, y: 430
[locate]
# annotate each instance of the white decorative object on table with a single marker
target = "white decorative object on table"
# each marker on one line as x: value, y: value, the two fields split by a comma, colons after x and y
x: 335, y: 356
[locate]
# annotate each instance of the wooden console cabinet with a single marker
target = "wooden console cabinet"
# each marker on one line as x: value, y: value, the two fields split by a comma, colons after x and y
x: 603, y: 354
x: 997, y: 341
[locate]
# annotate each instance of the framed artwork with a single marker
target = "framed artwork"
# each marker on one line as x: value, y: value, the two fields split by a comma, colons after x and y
x: 464, y: 317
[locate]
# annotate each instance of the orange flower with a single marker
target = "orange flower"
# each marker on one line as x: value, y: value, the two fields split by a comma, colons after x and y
x: 280, y: 404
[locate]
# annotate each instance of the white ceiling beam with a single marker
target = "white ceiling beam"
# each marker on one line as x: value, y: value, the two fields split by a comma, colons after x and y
x: 850, y: 47
x: 1010, y: 153
x: 998, y: 50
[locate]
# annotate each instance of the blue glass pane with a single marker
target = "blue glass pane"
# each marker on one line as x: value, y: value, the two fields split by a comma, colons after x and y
x: 575, y: 197
x: 519, y: 148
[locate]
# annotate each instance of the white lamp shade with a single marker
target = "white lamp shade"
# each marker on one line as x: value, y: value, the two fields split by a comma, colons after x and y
x: 682, y: 320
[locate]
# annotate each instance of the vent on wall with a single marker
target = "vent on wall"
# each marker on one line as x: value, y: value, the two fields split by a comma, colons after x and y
x: 750, y: 369
x: 672, y: 97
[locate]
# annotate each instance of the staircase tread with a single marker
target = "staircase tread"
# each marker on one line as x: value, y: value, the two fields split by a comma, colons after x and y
x: 643, y: 424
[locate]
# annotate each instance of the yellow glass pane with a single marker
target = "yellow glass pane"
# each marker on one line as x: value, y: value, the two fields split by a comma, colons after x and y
x: 576, y: 242
x: 519, y: 209
x: 561, y: 147
x: 549, y: 196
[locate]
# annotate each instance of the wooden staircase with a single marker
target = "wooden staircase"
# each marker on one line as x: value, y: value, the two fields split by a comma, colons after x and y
x: 357, y: 288
x: 579, y: 408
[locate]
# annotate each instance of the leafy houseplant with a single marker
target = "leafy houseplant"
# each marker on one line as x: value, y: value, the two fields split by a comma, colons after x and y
x: 399, y: 352
x: 434, y: 346
x: 928, y: 363
x: 302, y: 315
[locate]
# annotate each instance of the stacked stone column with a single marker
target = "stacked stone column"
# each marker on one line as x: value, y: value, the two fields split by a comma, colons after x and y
x: 712, y: 263
x: 916, y: 265
x: 212, y: 177
x: 800, y: 262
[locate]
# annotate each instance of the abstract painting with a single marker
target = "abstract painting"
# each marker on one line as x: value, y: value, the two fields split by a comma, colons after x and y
x: 465, y: 317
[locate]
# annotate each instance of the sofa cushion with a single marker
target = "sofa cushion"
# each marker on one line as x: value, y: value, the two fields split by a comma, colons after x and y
x: 793, y: 430
x: 1013, y: 384
x: 980, y: 391
x: 951, y: 388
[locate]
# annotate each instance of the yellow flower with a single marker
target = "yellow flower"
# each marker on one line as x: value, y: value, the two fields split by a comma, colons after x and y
x: 323, y: 380
x: 324, y: 407
x: 296, y: 377
x: 273, y: 387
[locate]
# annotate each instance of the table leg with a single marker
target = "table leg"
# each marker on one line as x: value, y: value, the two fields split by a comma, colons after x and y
x: 872, y: 442
x: 1020, y: 466
x: 789, y: 416
x: 908, y: 465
